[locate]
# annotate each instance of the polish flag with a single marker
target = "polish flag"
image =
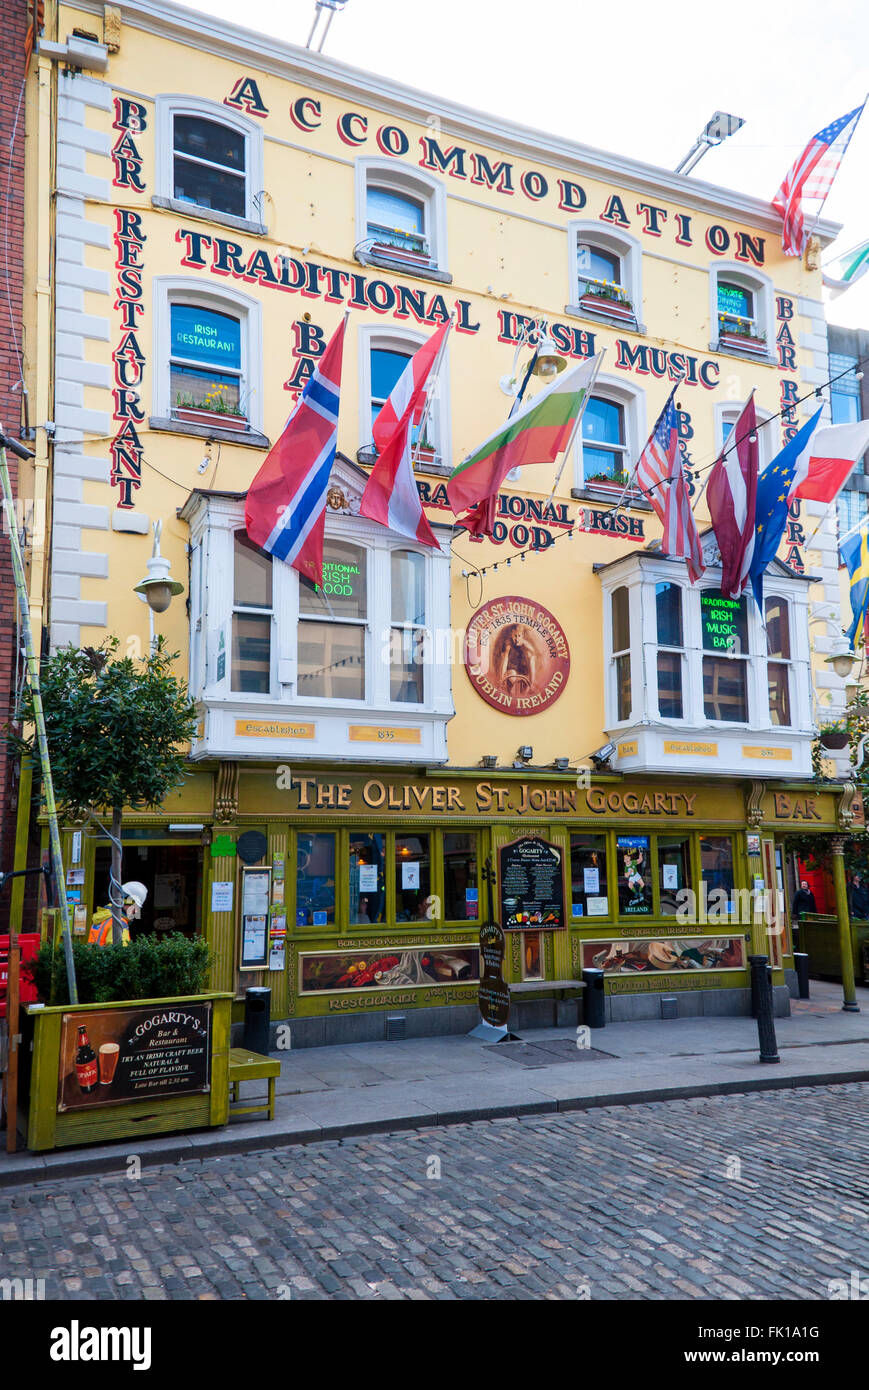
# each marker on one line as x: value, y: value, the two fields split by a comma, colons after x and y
x: 391, y: 496
x: 826, y: 464
x: 731, y: 494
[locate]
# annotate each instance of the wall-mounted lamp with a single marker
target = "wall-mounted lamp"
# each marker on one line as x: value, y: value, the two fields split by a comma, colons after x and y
x: 489, y: 760
x: 561, y: 764
x: 841, y: 659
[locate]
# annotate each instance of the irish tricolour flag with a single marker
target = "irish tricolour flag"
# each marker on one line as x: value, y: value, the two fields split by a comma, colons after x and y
x: 537, y: 433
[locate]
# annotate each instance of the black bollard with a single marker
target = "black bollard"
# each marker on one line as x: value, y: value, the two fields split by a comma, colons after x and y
x: 761, y: 992
x: 801, y: 966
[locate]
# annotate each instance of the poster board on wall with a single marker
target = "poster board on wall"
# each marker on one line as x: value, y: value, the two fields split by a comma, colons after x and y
x: 255, y: 894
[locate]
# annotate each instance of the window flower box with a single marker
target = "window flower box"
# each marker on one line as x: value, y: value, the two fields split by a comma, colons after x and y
x: 607, y: 482
x: 740, y: 334
x: 606, y: 297
x: 218, y: 419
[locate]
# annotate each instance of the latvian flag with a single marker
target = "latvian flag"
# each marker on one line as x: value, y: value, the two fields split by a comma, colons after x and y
x: 285, y: 510
x: 391, y: 495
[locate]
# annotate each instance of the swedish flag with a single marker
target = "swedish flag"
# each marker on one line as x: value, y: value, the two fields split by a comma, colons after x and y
x: 854, y: 551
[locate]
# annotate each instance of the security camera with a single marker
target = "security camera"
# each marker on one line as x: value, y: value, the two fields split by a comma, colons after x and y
x: 601, y: 756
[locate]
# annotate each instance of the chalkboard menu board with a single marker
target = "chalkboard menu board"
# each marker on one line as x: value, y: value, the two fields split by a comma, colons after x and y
x: 494, y: 994
x: 532, y: 885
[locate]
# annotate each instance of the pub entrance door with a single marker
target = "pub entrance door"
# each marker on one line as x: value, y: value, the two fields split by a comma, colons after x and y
x: 531, y: 899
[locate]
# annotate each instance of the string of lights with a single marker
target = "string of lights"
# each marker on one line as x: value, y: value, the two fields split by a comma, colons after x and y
x: 816, y: 391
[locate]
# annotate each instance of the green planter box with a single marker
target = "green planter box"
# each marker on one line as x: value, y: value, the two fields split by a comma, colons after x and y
x: 819, y: 938
x: 102, y: 1072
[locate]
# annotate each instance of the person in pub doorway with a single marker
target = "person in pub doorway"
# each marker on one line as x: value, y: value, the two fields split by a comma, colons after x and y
x: 101, y: 926
x: 804, y: 901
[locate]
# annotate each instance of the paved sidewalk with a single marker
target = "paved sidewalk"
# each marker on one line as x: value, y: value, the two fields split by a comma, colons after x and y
x: 333, y: 1092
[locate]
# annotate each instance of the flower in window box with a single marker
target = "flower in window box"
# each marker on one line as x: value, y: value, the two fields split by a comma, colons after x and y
x: 736, y: 331
x: 607, y: 482
x: 213, y: 409
x: 607, y: 297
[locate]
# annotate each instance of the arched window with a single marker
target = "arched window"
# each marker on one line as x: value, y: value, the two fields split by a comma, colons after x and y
x: 401, y: 218
x: 741, y: 309
x: 604, y: 454
x: 605, y: 268
x: 383, y: 357
x: 208, y: 350
x: 209, y: 161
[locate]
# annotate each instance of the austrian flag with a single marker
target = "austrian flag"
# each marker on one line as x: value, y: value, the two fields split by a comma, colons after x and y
x: 391, y: 496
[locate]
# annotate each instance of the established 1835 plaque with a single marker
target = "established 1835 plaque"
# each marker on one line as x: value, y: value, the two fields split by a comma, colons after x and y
x: 532, y: 885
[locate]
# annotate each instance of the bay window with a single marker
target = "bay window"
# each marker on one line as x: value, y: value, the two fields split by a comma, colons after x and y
x: 283, y: 667
x: 699, y: 682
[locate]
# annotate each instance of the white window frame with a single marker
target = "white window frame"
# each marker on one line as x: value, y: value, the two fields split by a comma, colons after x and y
x: 787, y: 662
x: 728, y: 412
x: 682, y: 652
x: 342, y: 620
x: 246, y: 610
x: 438, y: 421
x: 640, y: 575
x: 214, y: 520
x: 177, y: 289
x: 616, y: 243
x: 406, y: 180
x: 760, y: 286
x: 632, y: 399
x: 170, y: 105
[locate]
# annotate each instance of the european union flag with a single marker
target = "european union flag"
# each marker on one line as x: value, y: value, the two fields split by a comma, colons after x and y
x: 855, y: 554
x: 771, y: 508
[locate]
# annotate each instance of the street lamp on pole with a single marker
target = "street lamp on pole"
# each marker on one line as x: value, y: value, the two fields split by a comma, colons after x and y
x: 158, y: 588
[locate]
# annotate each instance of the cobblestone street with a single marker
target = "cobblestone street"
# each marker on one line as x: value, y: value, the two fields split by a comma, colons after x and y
x: 749, y: 1196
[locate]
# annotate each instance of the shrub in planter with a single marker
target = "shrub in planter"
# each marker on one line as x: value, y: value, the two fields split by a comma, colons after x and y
x: 150, y: 968
x: 833, y: 736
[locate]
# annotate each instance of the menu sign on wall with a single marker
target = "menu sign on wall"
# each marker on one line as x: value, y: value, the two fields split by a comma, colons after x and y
x: 532, y: 885
x: 112, y: 1055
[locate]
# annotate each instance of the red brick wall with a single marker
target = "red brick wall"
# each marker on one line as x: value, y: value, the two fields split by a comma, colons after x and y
x: 13, y: 28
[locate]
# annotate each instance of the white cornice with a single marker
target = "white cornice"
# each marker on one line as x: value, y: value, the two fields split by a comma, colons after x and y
x: 284, y: 60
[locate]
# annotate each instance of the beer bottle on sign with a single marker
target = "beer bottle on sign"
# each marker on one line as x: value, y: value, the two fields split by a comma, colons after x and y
x: 85, y: 1063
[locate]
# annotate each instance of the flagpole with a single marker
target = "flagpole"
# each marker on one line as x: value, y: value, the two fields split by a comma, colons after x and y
x: 598, y: 360
x: 633, y: 474
x: 436, y: 370
x: 836, y: 170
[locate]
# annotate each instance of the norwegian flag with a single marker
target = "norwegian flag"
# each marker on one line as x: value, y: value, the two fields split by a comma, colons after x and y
x: 391, y: 496
x: 415, y: 374
x: 285, y: 510
x: 808, y: 182
x: 661, y: 476
x: 731, y: 495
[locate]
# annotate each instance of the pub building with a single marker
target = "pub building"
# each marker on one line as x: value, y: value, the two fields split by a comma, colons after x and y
x: 629, y: 750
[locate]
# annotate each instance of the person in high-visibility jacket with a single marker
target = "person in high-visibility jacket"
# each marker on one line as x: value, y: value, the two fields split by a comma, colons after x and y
x: 101, y: 933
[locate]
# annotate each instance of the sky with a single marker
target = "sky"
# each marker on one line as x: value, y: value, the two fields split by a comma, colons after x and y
x: 640, y: 78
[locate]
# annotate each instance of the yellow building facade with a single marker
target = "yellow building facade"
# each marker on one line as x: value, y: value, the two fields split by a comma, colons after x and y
x: 205, y: 205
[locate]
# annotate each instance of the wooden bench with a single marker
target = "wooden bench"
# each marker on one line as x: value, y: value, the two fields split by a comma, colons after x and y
x: 245, y: 1065
x: 563, y: 988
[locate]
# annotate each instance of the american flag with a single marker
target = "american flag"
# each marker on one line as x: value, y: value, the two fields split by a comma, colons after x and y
x: 808, y: 182
x: 661, y: 476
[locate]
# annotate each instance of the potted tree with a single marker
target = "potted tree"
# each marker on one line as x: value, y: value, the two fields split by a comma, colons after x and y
x: 147, y: 1049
